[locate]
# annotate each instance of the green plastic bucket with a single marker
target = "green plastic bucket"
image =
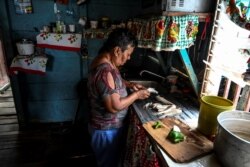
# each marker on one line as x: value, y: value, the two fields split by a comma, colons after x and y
x: 210, y: 108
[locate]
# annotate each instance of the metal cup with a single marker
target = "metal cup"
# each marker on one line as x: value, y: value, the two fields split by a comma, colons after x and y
x: 72, y: 28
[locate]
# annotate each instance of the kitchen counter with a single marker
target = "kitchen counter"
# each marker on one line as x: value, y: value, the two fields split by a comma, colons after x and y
x: 188, y: 116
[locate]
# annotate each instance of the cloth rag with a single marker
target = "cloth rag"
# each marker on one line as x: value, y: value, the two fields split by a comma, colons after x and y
x: 30, y: 64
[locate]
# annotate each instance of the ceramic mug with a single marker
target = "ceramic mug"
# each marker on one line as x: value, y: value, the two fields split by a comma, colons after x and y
x: 71, y: 28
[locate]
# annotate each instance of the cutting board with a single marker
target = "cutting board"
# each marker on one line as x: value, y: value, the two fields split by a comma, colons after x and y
x: 195, y: 145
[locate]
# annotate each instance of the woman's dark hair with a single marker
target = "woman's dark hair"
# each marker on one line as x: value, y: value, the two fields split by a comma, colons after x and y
x: 120, y: 37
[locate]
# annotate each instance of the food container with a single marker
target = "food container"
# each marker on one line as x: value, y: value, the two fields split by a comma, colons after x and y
x: 232, y: 142
x: 25, y: 47
x: 105, y: 23
x: 46, y: 29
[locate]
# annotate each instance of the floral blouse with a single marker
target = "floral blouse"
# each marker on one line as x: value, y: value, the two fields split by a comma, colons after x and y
x: 99, y: 89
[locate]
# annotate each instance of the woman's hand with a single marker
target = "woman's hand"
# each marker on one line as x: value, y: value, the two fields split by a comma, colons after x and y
x: 142, y: 94
x: 136, y: 86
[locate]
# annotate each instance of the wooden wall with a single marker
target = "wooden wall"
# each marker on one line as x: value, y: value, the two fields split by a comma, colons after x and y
x: 55, y: 97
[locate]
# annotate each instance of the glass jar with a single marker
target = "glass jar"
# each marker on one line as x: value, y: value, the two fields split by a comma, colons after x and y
x: 105, y: 22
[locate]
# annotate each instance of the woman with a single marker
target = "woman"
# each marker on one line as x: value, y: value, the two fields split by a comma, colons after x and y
x: 109, y: 99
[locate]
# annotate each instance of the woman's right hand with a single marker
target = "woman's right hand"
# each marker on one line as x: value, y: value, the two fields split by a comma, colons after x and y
x: 142, y: 94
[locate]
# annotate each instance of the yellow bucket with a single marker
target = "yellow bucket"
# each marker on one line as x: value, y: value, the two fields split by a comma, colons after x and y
x: 210, y: 108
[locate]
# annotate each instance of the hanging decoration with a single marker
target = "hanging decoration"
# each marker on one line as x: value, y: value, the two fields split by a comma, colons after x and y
x: 23, y: 6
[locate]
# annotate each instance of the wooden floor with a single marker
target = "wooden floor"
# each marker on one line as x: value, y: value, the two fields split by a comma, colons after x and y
x: 40, y: 145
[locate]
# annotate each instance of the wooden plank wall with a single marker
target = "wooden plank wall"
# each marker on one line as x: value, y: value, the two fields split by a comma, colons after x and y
x: 54, y: 96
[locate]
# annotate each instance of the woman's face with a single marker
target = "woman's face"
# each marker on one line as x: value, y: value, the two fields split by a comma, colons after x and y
x: 123, y: 57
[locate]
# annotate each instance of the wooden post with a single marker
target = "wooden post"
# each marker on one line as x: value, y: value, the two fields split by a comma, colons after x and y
x: 244, y: 101
x: 236, y: 95
x: 227, y: 87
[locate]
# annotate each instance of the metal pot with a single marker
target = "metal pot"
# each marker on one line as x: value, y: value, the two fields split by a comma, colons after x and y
x: 25, y: 47
x: 232, y: 142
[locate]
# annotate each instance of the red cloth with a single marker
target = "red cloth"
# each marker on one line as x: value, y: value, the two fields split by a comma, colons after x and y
x: 139, y: 151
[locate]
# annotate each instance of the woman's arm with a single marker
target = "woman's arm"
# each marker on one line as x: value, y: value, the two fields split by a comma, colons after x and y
x: 115, y: 102
x: 132, y: 85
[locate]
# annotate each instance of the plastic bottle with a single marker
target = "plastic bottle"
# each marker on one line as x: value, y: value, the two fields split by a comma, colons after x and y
x: 58, y: 22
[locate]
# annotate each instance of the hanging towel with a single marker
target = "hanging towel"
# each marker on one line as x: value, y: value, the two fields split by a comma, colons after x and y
x: 31, y: 64
x: 69, y: 42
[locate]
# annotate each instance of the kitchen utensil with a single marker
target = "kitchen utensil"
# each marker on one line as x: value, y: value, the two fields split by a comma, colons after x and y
x: 25, y: 47
x: 194, y: 146
x: 232, y: 142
